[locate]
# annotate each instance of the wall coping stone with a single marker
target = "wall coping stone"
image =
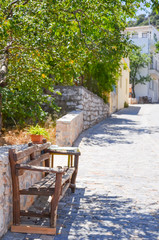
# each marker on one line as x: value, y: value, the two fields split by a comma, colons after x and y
x: 69, y: 117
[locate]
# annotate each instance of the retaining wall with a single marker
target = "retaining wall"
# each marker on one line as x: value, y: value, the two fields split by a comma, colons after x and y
x: 79, y: 98
x: 68, y: 128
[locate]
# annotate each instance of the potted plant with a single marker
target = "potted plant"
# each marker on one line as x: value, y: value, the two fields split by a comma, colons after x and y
x: 37, y: 134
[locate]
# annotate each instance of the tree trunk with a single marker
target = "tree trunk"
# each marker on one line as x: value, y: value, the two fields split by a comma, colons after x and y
x: 133, y: 89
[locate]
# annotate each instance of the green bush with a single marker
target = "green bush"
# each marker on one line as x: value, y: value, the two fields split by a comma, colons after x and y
x: 126, y: 105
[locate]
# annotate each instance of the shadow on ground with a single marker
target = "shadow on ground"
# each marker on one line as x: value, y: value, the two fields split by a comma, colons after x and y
x: 111, y: 131
x: 105, y: 217
x: 116, y: 129
x: 98, y: 216
x: 132, y: 110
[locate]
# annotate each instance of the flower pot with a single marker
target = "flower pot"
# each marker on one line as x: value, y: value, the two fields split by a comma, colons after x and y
x: 38, y: 139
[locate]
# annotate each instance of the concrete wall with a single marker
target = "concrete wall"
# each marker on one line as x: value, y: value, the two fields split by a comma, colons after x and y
x: 123, y: 85
x: 6, y: 188
x: 120, y: 95
x: 113, y: 102
x: 68, y: 128
x: 79, y: 98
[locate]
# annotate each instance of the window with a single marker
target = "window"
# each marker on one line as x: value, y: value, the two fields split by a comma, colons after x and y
x: 144, y: 35
x: 135, y: 35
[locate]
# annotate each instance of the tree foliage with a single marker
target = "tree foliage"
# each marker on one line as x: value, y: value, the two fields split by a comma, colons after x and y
x: 143, y: 19
x: 49, y: 42
x: 138, y: 61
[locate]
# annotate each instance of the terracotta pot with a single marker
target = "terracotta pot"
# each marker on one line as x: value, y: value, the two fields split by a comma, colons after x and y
x: 38, y: 139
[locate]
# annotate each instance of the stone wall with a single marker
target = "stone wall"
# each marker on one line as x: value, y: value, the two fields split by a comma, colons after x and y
x: 79, y: 98
x: 6, y: 188
x: 68, y: 128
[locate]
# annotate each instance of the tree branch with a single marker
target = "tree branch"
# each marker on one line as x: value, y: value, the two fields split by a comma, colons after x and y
x: 10, y: 7
x: 82, y: 34
x: 81, y: 11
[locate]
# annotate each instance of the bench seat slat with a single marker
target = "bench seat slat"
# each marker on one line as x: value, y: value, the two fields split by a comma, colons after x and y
x: 42, y: 181
x: 47, y: 185
x: 68, y: 175
x: 51, y: 181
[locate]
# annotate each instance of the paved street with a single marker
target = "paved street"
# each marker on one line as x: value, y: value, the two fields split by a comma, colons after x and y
x: 117, y: 194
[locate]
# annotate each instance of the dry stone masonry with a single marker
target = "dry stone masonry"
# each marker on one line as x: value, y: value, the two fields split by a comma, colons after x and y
x: 79, y: 98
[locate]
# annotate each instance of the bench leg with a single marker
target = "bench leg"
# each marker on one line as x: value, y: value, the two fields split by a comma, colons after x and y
x: 55, y: 200
x: 73, y: 180
x: 16, y: 210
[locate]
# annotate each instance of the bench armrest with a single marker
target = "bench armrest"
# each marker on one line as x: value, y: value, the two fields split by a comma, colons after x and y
x: 39, y: 168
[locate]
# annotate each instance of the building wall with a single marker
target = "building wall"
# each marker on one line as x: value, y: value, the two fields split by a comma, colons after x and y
x: 146, y: 38
x: 120, y: 95
x: 113, y: 102
x: 123, y: 85
x: 79, y: 98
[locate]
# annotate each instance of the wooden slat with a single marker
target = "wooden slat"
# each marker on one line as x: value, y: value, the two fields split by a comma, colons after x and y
x: 39, y: 168
x: 33, y: 229
x: 45, y: 182
x: 64, y: 190
x: 49, y: 183
x: 25, y: 152
x: 63, y: 153
x: 39, y: 159
x: 68, y: 175
x: 41, y: 147
x: 34, y: 214
x: 40, y: 192
x: 37, y: 185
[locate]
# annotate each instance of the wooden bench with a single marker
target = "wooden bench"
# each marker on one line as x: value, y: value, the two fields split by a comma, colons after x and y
x: 54, y: 183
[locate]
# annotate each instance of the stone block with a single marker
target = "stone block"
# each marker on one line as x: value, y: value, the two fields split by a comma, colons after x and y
x: 72, y: 127
x: 80, y: 107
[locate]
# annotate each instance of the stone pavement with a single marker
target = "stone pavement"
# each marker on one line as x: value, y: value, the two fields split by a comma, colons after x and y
x: 117, y: 194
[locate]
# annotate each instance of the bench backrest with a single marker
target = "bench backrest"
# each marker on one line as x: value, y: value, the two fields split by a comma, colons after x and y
x: 29, y: 155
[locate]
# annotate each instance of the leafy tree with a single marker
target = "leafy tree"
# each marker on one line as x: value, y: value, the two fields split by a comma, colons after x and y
x: 72, y: 41
x: 142, y: 20
x: 138, y: 60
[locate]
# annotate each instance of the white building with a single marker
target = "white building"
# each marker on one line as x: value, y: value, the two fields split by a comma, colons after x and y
x: 146, y: 38
x: 120, y: 96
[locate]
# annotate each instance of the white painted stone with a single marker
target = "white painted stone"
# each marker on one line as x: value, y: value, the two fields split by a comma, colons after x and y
x: 68, y: 128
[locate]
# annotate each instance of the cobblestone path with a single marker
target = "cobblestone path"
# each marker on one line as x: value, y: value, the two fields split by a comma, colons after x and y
x: 117, y: 194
